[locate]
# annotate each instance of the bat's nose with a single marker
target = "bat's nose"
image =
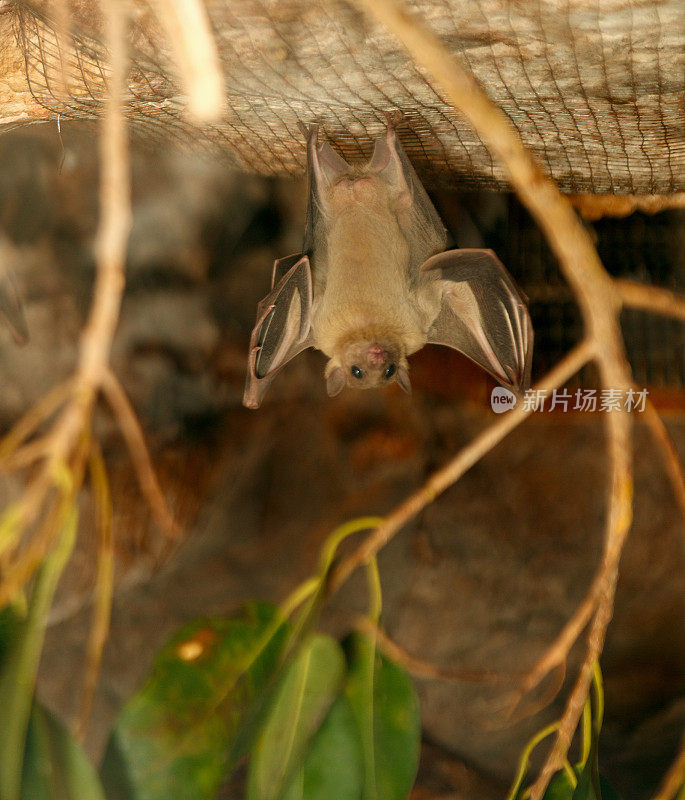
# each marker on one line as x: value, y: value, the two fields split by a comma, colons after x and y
x: 375, y: 355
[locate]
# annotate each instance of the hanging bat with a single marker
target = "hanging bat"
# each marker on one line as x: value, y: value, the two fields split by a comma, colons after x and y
x: 373, y: 285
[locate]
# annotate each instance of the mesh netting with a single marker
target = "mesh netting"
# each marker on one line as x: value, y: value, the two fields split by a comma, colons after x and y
x: 646, y: 249
x: 594, y: 88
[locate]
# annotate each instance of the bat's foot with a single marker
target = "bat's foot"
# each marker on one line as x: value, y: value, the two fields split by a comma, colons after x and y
x: 394, y: 118
x: 311, y: 130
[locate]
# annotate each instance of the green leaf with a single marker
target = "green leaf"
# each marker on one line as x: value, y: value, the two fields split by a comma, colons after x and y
x: 333, y: 768
x: 590, y: 785
x: 11, y: 619
x: 588, y: 789
x: 20, y: 665
x: 173, y: 739
x: 308, y: 689
x: 386, y: 710
x: 588, y: 780
x: 560, y: 788
x: 55, y: 766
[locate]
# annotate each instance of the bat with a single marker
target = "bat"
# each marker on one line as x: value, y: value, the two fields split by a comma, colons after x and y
x: 374, y: 283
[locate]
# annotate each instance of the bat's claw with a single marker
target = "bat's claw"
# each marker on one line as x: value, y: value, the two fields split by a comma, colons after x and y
x: 306, y: 130
x: 310, y: 130
x: 394, y: 118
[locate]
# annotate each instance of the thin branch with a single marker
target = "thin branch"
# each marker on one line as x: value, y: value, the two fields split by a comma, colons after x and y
x: 618, y: 524
x: 33, y: 418
x: 424, y: 669
x: 669, y: 455
x: 28, y: 454
x: 104, y: 582
x: 674, y: 779
x: 651, y: 298
x: 115, y: 216
x: 64, y: 487
x: 63, y: 36
x: 515, y: 711
x: 575, y: 702
x: 135, y: 440
x: 196, y: 54
x: 557, y: 653
x: 595, y: 206
x: 451, y: 472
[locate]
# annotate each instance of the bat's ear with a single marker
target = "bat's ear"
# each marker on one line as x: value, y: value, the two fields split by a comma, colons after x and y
x: 327, y: 166
x: 335, y: 382
x: 403, y: 379
x: 416, y: 214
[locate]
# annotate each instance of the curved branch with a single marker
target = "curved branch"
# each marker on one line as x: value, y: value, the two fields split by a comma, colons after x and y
x: 669, y: 454
x: 595, y: 206
x: 135, y: 441
x: 424, y: 669
x: 674, y: 779
x: 651, y: 298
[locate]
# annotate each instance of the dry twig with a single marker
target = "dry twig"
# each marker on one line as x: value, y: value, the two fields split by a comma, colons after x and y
x: 651, y: 298
x: 669, y: 455
x: 33, y: 418
x: 557, y: 652
x: 595, y: 206
x: 135, y: 440
x: 674, y: 779
x: 424, y: 669
x: 99, y: 628
x: 196, y: 55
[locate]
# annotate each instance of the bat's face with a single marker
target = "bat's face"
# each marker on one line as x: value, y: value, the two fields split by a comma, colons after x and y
x: 366, y: 364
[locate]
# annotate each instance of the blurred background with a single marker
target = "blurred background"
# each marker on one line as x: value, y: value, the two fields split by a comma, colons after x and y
x: 482, y: 580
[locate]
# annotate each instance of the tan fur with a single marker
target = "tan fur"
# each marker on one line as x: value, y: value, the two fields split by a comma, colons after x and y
x: 366, y: 294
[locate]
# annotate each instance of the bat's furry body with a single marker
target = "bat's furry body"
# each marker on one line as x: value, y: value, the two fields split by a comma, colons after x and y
x: 363, y: 294
x: 373, y: 286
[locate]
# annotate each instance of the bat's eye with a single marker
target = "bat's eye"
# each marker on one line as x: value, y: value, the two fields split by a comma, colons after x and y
x: 390, y: 371
x: 357, y: 373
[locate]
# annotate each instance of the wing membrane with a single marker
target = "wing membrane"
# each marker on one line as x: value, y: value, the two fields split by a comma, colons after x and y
x: 282, y: 328
x: 483, y: 315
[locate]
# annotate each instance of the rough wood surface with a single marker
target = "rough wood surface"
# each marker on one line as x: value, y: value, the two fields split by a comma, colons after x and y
x: 595, y: 89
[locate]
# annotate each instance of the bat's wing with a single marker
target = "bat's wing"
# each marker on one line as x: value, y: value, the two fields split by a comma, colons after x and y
x: 282, y: 267
x: 483, y: 315
x: 11, y: 306
x: 282, y: 327
x: 324, y: 168
x: 418, y: 218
